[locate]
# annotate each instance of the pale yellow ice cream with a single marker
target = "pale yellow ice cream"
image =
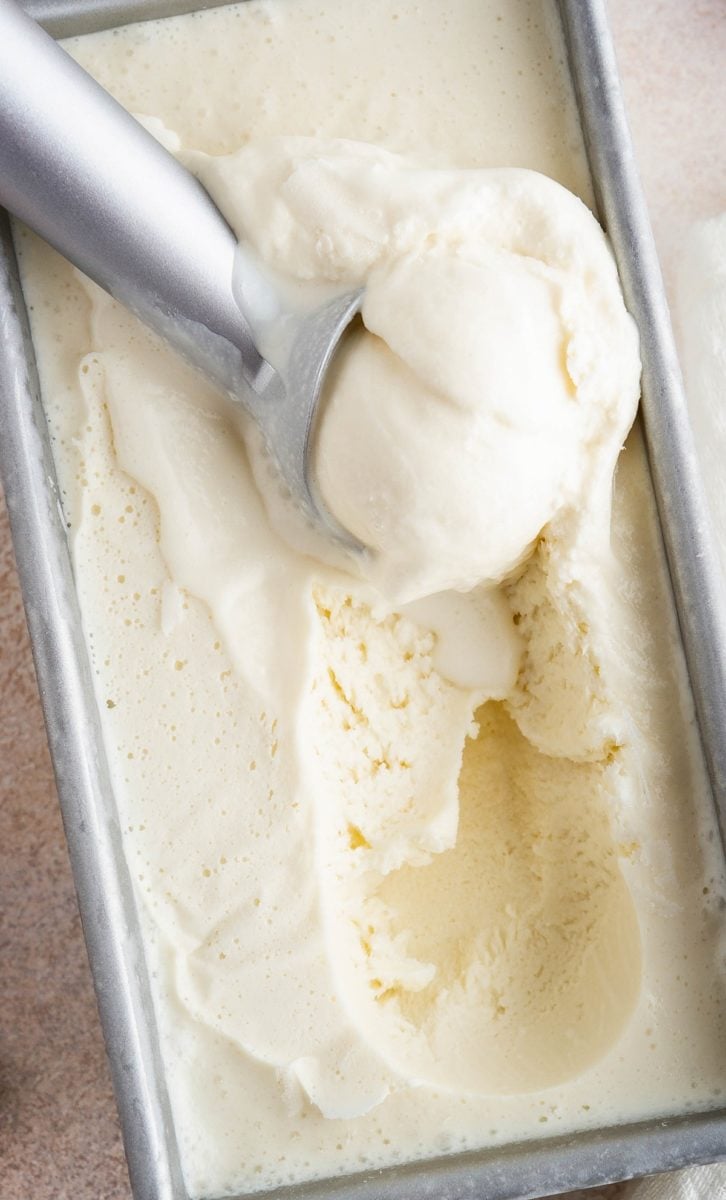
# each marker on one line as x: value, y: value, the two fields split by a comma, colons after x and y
x: 481, y: 405
x: 413, y: 875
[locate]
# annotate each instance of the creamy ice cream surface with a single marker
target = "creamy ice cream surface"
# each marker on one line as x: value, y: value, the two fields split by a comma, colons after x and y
x: 423, y: 853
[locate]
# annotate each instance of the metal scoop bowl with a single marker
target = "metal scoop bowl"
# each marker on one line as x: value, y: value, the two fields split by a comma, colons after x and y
x: 81, y: 172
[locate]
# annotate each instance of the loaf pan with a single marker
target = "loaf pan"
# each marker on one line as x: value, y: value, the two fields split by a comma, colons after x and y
x: 537, y: 1167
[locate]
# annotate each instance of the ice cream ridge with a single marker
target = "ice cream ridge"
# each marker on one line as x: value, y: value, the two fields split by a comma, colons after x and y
x: 420, y: 839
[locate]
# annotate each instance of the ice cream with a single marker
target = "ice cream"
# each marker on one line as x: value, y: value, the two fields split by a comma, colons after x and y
x: 416, y: 869
x: 502, y: 369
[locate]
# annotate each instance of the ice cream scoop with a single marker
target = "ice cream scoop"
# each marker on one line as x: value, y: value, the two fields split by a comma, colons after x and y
x: 79, y: 170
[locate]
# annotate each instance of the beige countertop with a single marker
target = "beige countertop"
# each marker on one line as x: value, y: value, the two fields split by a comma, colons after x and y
x: 59, y: 1135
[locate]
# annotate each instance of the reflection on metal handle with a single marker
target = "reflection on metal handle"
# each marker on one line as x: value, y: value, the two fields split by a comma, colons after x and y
x: 94, y: 183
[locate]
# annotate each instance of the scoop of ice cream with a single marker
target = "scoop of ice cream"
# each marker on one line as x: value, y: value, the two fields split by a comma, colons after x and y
x: 452, y: 435
x: 496, y: 366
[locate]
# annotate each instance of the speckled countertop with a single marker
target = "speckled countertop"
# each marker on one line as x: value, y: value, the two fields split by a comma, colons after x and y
x: 59, y: 1134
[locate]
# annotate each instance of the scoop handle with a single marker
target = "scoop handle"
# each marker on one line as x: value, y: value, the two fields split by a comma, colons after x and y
x: 88, y: 178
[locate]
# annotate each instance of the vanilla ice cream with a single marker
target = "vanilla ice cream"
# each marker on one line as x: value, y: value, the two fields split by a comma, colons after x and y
x: 423, y: 851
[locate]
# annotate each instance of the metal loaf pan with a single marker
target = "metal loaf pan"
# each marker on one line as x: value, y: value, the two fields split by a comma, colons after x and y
x: 538, y: 1167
